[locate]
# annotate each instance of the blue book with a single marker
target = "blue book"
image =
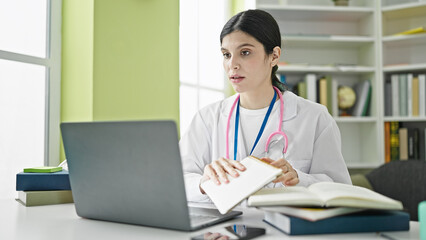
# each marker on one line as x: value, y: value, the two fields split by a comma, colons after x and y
x: 367, y: 221
x: 42, y: 181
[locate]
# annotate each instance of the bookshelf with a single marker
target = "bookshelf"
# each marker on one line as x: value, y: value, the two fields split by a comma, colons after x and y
x: 352, y: 44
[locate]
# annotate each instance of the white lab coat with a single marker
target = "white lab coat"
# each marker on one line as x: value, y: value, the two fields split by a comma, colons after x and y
x: 314, y: 145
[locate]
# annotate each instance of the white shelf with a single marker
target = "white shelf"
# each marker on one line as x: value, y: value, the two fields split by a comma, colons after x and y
x: 405, y: 67
x: 326, y: 41
x: 355, y: 119
x: 352, y: 44
x: 404, y: 10
x: 404, y: 119
x: 324, y: 69
x: 320, y: 13
x: 362, y: 165
x: 404, y: 40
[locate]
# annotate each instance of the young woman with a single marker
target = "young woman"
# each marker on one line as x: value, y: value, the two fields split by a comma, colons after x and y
x: 262, y: 119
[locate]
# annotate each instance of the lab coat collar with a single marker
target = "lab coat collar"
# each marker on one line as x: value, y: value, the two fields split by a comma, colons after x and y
x: 290, y: 105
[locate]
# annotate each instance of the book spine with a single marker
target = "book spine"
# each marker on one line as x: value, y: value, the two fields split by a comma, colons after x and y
x: 387, y: 143
x: 311, y: 87
x: 367, y: 101
x: 388, y: 98
x: 388, y: 221
x: 39, y: 198
x: 409, y: 95
x: 403, y: 144
x: 42, y: 182
x: 422, y: 94
x: 395, y: 94
x: 330, y: 96
x: 403, y: 109
x: 335, y: 102
x: 413, y: 143
x: 323, y: 91
x: 301, y: 86
x: 415, y: 96
x: 394, y: 140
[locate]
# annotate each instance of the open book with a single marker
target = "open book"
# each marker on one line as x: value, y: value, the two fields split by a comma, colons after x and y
x: 257, y: 174
x: 324, y: 194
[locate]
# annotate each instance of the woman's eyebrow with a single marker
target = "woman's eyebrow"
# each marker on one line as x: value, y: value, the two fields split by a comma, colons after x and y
x: 240, y: 46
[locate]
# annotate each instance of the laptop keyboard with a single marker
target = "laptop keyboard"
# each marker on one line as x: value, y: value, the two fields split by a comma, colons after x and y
x: 202, y: 216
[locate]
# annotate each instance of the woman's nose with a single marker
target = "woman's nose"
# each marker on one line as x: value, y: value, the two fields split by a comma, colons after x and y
x: 234, y: 63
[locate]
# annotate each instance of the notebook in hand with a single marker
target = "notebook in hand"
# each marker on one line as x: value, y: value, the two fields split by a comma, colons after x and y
x: 257, y: 174
x: 131, y: 172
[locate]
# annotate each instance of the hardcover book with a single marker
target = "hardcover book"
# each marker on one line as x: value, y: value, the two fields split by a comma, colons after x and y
x: 368, y: 221
x: 311, y: 214
x: 43, y: 181
x: 39, y: 198
x: 324, y: 194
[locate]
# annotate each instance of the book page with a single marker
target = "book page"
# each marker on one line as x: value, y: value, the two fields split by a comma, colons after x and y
x: 289, y: 196
x: 256, y: 175
x: 339, y: 194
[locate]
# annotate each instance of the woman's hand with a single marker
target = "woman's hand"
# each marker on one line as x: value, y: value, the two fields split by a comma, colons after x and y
x: 216, y: 171
x: 289, y: 176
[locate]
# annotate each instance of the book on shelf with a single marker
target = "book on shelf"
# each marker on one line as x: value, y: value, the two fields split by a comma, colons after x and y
x: 387, y: 143
x: 363, y: 95
x: 388, y: 98
x: 403, y: 98
x: 409, y: 95
x: 227, y: 195
x: 311, y: 214
x: 322, y: 91
x: 414, y: 96
x: 366, y: 221
x: 403, y: 144
x: 323, y: 194
x: 422, y: 94
x: 43, y: 181
x: 413, y: 143
x: 311, y: 91
x: 39, y: 198
x: 394, y: 140
x: 416, y: 30
x: 395, y: 94
x: 301, y: 89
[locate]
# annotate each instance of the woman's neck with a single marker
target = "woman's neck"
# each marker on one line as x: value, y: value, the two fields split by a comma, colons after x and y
x: 257, y: 99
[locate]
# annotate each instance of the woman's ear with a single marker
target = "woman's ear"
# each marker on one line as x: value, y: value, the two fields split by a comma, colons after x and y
x: 276, y: 53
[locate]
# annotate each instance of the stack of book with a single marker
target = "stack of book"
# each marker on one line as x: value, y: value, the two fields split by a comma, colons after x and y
x: 324, y: 90
x: 328, y: 207
x: 403, y: 142
x: 43, y: 186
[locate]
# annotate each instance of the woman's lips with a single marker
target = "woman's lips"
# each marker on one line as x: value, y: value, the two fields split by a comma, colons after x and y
x: 236, y: 79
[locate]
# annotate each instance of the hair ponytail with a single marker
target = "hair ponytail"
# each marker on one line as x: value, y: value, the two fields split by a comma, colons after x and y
x: 275, y: 81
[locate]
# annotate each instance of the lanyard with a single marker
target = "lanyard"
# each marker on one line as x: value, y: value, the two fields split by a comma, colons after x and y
x: 262, y: 128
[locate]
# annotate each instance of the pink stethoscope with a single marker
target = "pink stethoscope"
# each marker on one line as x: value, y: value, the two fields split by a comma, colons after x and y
x: 278, y: 132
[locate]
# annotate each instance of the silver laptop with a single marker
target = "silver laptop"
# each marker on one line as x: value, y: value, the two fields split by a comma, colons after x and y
x: 131, y: 172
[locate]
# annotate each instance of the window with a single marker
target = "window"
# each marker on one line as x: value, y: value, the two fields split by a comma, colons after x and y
x: 29, y: 87
x: 202, y: 79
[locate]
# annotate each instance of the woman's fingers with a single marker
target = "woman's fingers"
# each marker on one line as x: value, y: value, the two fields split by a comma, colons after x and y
x: 288, y: 179
x: 217, y: 170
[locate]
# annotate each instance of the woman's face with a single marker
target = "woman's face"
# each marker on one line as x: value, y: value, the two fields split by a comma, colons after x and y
x: 246, y: 64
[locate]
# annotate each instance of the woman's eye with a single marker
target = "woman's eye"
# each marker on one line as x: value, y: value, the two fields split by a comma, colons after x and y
x: 226, y: 55
x: 245, y: 53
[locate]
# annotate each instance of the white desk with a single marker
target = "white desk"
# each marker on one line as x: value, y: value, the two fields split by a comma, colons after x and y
x: 61, y: 222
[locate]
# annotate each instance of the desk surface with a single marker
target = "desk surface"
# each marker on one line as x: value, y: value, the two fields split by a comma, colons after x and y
x: 61, y: 222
